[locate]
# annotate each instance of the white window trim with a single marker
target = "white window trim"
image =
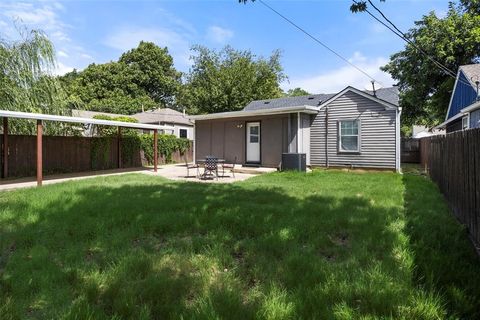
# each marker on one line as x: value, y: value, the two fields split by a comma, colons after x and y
x: 466, y: 117
x: 186, y: 133
x: 359, y: 135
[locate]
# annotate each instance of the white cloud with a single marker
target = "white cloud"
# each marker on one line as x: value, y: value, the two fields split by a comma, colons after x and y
x: 62, y: 54
x: 37, y: 15
x: 86, y: 56
x: 46, y: 16
x: 176, y: 42
x: 61, y: 69
x: 170, y: 19
x: 337, y: 79
x: 219, y: 34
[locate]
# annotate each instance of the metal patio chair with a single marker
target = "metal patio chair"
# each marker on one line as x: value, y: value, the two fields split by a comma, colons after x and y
x: 229, y: 167
x: 210, y: 168
x: 191, y: 166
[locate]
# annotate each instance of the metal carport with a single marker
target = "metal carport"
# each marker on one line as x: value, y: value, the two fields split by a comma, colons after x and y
x: 47, y: 117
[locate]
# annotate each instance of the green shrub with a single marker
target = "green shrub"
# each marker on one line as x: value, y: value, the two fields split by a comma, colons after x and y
x: 133, y: 141
x: 167, y: 145
x: 109, y: 131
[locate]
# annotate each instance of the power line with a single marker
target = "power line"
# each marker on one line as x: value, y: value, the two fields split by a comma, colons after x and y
x: 444, y: 69
x: 318, y: 41
x: 404, y: 37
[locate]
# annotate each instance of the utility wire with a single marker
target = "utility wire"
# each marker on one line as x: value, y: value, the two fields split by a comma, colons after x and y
x: 404, y: 37
x: 318, y: 41
x: 444, y: 69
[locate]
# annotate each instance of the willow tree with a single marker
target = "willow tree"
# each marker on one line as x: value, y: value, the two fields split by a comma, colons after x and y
x: 27, y: 82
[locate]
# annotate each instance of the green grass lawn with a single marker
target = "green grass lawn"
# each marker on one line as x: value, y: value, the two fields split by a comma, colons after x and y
x: 326, y: 245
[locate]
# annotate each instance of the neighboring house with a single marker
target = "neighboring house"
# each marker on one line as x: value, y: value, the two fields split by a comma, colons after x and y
x: 180, y: 125
x: 419, y: 132
x: 464, y: 108
x: 353, y: 128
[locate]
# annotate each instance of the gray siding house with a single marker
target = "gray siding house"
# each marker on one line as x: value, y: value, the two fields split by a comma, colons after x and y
x: 353, y: 128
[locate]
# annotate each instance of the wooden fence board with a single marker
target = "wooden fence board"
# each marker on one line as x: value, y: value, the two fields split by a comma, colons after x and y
x: 410, y: 150
x: 69, y: 155
x: 453, y: 162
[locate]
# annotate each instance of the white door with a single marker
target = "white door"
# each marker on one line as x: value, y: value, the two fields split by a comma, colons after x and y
x: 253, y: 141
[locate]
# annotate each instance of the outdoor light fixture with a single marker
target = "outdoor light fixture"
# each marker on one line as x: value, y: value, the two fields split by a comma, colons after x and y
x: 239, y: 126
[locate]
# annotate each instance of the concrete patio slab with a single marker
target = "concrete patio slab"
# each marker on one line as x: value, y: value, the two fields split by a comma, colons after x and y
x: 178, y: 172
x: 11, y: 184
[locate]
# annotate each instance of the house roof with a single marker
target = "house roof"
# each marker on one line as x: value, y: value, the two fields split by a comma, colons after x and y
x: 156, y: 116
x: 166, y: 115
x: 306, y: 104
x: 472, y: 72
x: 444, y: 124
x: 366, y: 94
x: 389, y: 95
x: 259, y: 112
x: 90, y: 114
x: 310, y: 100
x: 474, y: 106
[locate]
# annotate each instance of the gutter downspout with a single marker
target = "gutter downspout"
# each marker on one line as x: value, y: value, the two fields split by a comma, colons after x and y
x: 326, y: 137
x: 299, y: 150
x: 397, y: 141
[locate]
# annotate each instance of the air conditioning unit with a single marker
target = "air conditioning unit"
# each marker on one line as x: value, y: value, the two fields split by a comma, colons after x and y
x: 294, y: 161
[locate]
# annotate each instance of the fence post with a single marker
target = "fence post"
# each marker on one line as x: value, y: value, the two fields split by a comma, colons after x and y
x: 119, y: 147
x: 155, y: 151
x: 39, y: 153
x: 5, y: 148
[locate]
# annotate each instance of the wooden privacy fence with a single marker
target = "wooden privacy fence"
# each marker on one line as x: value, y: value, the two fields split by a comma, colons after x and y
x: 410, y: 150
x: 75, y: 154
x: 453, y: 162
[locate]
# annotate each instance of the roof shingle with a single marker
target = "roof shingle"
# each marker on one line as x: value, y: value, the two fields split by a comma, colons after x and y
x: 310, y: 100
x: 472, y: 72
x: 387, y: 94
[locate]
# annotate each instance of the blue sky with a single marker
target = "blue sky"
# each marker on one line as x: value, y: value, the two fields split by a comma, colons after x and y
x: 84, y: 32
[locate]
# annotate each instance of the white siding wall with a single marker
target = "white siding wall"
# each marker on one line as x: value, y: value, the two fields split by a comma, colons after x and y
x: 188, y: 128
x: 304, y: 135
x: 377, y: 141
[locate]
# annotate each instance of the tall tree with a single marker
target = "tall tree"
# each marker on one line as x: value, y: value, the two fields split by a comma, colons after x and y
x: 159, y: 78
x: 453, y: 40
x: 26, y: 80
x: 229, y: 79
x: 143, y: 78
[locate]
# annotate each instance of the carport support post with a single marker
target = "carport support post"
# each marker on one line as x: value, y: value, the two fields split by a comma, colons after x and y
x: 155, y: 151
x: 119, y: 147
x: 5, y: 148
x: 39, y: 152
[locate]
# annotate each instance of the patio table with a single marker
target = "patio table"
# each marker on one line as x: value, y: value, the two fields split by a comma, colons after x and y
x: 203, y: 161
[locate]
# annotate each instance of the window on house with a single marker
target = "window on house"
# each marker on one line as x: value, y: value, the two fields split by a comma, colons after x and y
x: 349, y: 137
x: 183, y: 133
x: 465, y: 124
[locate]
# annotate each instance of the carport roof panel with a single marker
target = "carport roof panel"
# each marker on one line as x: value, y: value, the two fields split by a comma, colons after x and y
x: 49, y: 117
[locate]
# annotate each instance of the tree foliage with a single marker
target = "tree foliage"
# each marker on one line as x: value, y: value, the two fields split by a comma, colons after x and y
x: 107, y: 131
x: 454, y: 41
x: 297, y: 92
x: 143, y: 77
x: 229, y: 79
x: 26, y: 80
